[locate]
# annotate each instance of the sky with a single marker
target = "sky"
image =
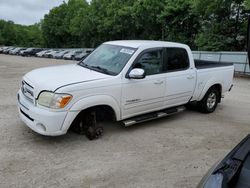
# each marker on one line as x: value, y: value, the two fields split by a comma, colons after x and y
x: 26, y: 12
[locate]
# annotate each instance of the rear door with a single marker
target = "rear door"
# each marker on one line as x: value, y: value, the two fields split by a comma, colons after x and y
x: 180, y: 77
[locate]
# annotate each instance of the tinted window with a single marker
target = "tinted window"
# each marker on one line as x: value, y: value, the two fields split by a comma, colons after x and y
x: 151, y: 62
x: 177, y: 59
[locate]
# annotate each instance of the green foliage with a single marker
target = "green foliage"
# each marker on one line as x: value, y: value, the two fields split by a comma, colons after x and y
x: 223, y: 24
x: 202, y: 24
x: 181, y: 23
x: 18, y: 35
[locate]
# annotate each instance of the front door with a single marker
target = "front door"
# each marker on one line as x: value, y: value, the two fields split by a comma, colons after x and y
x: 145, y: 95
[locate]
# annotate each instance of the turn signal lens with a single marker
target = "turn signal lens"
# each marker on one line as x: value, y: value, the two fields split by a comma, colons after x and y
x: 64, y: 101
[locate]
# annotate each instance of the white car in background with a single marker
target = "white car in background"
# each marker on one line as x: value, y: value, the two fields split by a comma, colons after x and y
x: 72, y: 54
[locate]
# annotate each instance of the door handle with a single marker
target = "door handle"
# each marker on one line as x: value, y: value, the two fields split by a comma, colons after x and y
x: 158, y: 82
x: 190, y: 77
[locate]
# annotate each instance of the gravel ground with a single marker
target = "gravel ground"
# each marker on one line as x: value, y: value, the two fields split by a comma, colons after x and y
x: 171, y: 152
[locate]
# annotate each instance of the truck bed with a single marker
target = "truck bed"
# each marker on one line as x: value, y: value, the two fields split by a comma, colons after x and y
x: 203, y: 64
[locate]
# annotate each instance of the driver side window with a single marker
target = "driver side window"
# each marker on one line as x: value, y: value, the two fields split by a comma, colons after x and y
x: 151, y: 62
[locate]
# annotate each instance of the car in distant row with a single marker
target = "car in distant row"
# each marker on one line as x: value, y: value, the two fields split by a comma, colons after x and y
x: 30, y: 51
x: 60, y: 54
x: 16, y: 51
x: 19, y: 51
x: 67, y: 54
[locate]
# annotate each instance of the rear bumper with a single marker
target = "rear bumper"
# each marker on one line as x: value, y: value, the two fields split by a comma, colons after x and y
x: 42, y: 121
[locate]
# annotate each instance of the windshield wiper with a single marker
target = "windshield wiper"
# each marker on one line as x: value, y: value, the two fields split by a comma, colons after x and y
x: 96, y: 68
x: 81, y: 63
x: 103, y: 70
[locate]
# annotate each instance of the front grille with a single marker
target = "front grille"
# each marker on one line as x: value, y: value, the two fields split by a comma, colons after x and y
x: 28, y: 91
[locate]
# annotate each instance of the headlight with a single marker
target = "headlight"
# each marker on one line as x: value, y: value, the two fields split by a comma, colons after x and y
x: 53, y: 100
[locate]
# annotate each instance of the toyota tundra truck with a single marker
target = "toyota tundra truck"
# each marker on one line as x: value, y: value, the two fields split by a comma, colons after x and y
x: 126, y: 81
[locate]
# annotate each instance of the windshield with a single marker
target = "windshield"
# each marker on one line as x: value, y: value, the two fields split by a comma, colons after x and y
x: 108, y: 59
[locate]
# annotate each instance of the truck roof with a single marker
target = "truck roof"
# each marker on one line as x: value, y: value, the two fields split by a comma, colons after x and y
x: 145, y: 43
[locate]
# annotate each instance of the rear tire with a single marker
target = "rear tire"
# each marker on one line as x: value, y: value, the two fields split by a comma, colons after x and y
x: 210, y: 101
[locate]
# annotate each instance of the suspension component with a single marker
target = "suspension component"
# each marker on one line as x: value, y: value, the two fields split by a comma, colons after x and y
x: 88, y: 126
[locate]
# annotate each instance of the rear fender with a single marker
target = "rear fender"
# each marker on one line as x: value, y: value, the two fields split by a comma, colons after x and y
x: 207, y: 86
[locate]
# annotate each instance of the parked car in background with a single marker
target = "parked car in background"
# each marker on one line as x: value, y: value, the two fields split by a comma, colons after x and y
x: 51, y: 53
x: 11, y: 51
x: 30, y: 51
x: 41, y: 53
x: 232, y: 171
x: 3, y: 48
x: 72, y: 54
x: 60, y: 54
x: 6, y: 50
x: 22, y: 51
x: 81, y: 56
x: 16, y: 51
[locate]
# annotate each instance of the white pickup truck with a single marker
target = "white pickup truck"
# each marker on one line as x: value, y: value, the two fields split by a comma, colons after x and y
x: 128, y: 81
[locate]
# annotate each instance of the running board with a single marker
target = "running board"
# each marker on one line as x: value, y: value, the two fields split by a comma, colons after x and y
x: 151, y: 116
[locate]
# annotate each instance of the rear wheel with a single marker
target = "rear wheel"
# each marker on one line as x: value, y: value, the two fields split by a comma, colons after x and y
x: 210, y: 101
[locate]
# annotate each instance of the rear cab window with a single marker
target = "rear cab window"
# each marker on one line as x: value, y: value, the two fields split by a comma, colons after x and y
x: 176, y: 59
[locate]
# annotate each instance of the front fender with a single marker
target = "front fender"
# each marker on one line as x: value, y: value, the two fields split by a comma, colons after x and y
x: 88, y: 102
x: 92, y: 101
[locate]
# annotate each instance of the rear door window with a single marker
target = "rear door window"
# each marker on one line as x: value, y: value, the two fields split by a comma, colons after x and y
x: 176, y: 59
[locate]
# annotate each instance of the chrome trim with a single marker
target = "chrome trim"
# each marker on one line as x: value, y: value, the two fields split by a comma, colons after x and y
x: 28, y: 91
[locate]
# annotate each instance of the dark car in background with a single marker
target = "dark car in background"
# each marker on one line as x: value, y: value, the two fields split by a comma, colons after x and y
x: 30, y: 51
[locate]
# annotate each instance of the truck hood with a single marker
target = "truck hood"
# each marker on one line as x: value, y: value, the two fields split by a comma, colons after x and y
x: 51, y: 78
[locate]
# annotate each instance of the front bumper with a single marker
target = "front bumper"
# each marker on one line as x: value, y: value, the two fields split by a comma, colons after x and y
x: 42, y: 121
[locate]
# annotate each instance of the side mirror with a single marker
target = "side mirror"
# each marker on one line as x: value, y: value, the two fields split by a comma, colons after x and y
x: 137, y: 74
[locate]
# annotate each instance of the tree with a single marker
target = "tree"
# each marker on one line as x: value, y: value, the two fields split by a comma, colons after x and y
x: 179, y: 21
x: 223, y: 24
x: 18, y: 35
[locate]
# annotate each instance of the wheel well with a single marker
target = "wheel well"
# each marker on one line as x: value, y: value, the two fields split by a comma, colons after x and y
x: 219, y: 88
x: 104, y: 112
